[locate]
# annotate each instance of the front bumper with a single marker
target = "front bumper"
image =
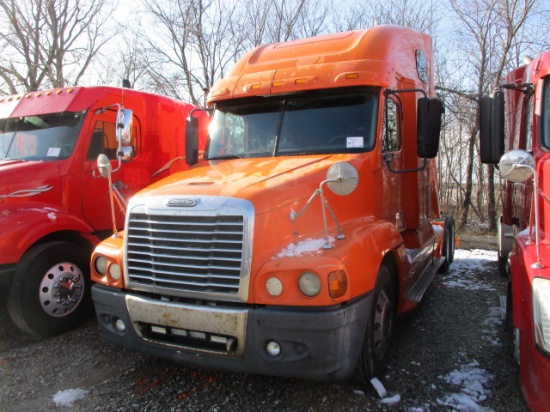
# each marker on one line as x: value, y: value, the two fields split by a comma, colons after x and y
x: 321, y: 344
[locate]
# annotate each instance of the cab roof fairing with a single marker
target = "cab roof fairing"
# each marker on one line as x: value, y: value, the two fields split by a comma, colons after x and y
x: 324, y: 60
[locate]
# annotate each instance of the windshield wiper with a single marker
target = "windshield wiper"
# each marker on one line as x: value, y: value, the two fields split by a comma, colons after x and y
x: 225, y: 157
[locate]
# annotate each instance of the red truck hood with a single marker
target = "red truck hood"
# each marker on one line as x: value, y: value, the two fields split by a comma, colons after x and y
x: 269, y: 183
x: 27, y: 181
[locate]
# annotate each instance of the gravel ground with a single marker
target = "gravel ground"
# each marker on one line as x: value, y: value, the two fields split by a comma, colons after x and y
x: 450, y: 353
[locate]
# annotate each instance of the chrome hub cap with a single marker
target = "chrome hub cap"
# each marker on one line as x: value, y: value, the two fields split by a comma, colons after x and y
x: 61, y: 289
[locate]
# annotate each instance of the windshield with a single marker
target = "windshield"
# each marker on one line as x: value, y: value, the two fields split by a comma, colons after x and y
x: 42, y: 137
x: 316, y: 122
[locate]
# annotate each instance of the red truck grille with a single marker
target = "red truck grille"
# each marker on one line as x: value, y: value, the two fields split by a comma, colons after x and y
x: 201, y: 254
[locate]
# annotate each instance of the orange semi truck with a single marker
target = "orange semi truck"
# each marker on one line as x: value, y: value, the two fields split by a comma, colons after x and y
x: 516, y: 119
x: 307, y: 226
x: 53, y: 202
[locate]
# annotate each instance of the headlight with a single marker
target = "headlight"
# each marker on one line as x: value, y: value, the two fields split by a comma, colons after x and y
x: 101, y: 265
x: 541, y: 313
x: 274, y: 286
x: 309, y: 284
x: 114, y: 271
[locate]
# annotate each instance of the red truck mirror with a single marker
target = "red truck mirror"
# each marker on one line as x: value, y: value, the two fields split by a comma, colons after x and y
x: 429, y: 126
x: 517, y: 166
x: 491, y: 128
x: 124, y: 126
x: 104, y: 165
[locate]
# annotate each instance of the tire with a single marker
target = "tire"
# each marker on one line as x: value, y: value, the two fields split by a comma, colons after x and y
x: 50, y: 292
x: 509, y: 314
x: 374, y: 356
x: 503, y: 268
x: 504, y: 247
x: 448, y: 247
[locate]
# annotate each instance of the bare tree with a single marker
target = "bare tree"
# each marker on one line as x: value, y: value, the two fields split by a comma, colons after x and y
x: 51, y: 43
x: 195, y: 42
x: 417, y: 14
x: 192, y: 45
x: 294, y: 19
x: 487, y: 33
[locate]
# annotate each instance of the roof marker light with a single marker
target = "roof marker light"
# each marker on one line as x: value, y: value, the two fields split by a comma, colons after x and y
x: 352, y: 76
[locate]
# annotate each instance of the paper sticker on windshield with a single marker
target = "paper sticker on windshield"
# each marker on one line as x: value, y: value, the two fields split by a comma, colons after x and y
x: 54, y: 151
x: 354, y: 142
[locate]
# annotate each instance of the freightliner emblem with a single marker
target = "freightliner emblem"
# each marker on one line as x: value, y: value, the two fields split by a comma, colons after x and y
x: 181, y: 202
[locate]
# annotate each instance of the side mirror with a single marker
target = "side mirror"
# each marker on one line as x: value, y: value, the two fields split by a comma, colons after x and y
x: 124, y: 126
x: 104, y: 165
x: 192, y: 140
x: 517, y: 166
x: 429, y: 116
x: 491, y: 128
x: 342, y: 178
x: 127, y: 153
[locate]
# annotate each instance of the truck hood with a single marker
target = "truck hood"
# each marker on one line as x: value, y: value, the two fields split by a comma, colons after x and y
x: 269, y: 183
x: 22, y: 181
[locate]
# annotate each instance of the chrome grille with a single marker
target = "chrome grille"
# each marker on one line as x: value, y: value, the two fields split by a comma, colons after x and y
x: 176, y: 252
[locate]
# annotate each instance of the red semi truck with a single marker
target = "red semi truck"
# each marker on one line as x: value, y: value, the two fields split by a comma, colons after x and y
x: 54, y: 207
x: 516, y: 120
x: 308, y: 225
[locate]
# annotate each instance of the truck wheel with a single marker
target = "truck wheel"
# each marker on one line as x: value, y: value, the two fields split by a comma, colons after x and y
x: 374, y: 356
x: 503, y: 265
x: 505, y: 239
x: 50, y: 292
x: 448, y: 247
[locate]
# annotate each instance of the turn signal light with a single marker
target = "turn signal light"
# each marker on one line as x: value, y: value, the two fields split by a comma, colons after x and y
x: 337, y: 283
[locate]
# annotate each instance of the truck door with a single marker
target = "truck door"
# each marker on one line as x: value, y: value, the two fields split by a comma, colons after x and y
x: 392, y: 148
x: 101, y: 138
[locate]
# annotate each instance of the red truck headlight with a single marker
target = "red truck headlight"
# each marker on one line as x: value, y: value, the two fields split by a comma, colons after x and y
x: 541, y: 313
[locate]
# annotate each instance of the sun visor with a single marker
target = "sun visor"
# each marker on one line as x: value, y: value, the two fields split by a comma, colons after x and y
x: 44, y: 102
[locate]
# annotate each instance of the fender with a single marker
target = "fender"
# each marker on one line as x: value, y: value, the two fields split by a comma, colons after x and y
x: 370, y: 241
x: 360, y: 255
x: 23, y: 224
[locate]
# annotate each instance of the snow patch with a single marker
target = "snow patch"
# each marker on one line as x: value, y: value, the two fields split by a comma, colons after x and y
x: 379, y: 387
x: 391, y: 400
x: 491, y: 325
x: 466, y: 264
x: 69, y: 396
x: 472, y: 381
x: 305, y: 246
